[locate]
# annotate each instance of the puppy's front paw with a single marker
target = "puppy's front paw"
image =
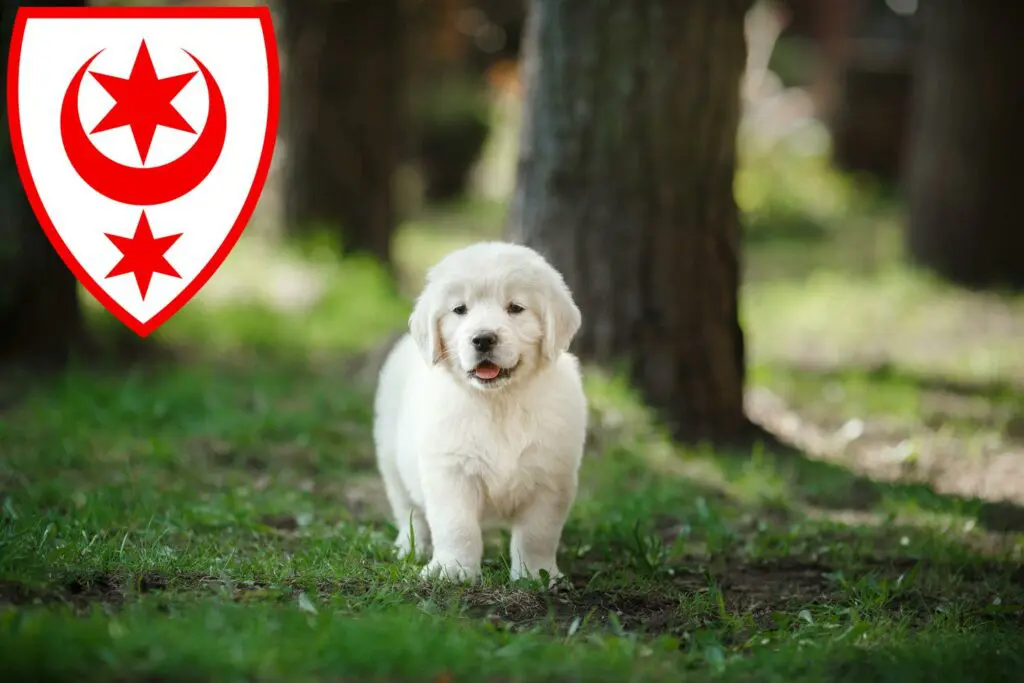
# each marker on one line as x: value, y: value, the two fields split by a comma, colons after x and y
x: 450, y: 571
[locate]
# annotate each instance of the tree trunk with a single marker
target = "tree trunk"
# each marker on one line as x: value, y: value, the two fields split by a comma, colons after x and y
x: 965, y: 175
x: 344, y: 118
x: 625, y: 182
x: 832, y: 28
x: 40, y: 316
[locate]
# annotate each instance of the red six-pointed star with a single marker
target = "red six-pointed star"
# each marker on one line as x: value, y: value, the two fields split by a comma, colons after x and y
x: 143, y: 101
x: 142, y: 255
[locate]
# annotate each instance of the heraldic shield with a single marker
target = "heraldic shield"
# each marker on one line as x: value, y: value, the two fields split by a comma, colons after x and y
x: 143, y: 137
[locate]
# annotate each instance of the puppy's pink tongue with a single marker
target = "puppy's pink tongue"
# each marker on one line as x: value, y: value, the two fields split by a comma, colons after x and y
x: 487, y: 371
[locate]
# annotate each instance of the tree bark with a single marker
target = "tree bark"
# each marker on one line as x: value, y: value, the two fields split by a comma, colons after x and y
x: 625, y: 182
x: 40, y: 315
x: 344, y: 119
x: 965, y: 176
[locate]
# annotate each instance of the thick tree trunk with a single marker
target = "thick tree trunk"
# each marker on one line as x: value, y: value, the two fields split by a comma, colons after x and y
x: 625, y: 182
x: 965, y: 174
x: 344, y: 118
x: 40, y: 317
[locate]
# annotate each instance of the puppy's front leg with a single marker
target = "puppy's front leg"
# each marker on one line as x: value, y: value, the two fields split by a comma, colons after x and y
x: 453, y: 513
x: 536, y: 532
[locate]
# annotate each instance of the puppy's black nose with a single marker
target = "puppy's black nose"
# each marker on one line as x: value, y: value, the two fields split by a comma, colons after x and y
x: 485, y: 341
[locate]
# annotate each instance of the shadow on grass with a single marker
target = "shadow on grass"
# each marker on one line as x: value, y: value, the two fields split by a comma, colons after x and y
x: 108, y: 347
x: 830, y: 486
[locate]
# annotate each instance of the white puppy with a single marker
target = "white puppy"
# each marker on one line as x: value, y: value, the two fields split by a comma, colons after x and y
x: 480, y: 415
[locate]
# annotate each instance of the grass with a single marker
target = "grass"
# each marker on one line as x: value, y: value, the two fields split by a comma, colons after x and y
x: 223, y: 522
x: 218, y: 516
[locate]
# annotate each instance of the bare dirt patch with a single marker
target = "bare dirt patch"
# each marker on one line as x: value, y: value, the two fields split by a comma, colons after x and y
x: 692, y: 597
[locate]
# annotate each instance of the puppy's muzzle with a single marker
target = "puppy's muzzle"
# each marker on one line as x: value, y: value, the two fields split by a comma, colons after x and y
x: 484, y: 341
x: 487, y: 370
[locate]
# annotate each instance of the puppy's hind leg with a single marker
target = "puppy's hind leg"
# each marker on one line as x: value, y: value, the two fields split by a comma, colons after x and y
x: 413, y: 532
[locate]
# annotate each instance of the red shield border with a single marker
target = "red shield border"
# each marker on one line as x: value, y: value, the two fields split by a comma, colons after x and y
x: 144, y: 329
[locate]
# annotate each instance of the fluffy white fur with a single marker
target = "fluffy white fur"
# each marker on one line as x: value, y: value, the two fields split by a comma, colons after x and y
x: 459, y: 452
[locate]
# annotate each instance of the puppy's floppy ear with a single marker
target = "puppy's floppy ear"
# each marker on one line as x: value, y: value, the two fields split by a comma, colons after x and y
x: 562, y: 319
x: 423, y: 326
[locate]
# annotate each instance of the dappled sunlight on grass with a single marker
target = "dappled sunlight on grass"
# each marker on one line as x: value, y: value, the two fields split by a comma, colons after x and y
x: 790, y: 196
x: 895, y: 315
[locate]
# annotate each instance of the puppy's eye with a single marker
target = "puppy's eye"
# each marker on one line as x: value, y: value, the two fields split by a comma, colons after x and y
x: 461, y: 309
x: 514, y: 309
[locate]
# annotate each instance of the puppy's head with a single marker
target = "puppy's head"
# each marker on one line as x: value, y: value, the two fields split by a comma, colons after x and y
x: 494, y: 314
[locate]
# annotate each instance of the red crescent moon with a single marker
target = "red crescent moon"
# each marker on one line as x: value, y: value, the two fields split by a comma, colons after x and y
x: 143, y: 186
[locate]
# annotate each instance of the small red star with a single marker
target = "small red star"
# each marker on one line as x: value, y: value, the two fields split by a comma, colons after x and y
x: 143, y: 101
x: 143, y: 255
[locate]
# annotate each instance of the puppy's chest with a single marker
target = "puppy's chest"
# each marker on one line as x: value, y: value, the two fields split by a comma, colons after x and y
x: 508, y: 468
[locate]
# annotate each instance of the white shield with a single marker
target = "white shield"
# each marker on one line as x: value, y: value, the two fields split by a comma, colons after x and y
x: 145, y: 180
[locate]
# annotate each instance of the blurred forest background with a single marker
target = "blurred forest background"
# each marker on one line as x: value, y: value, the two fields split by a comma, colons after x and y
x: 795, y: 218
x: 873, y: 179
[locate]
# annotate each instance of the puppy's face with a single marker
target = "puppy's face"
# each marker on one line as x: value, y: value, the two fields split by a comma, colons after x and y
x: 491, y: 332
x: 494, y: 314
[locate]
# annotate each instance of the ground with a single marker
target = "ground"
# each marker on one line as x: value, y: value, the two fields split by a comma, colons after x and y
x: 215, y: 514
